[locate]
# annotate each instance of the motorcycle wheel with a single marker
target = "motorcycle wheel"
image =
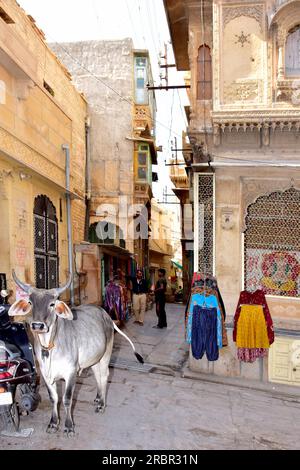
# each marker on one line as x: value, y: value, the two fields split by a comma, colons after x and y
x: 9, y: 417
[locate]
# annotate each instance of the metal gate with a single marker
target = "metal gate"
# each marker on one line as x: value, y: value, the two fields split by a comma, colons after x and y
x: 45, y: 243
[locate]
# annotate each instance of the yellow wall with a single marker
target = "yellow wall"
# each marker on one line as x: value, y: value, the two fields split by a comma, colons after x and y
x: 33, y: 127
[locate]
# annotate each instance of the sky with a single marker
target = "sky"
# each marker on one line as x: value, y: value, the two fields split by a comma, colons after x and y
x: 145, y: 22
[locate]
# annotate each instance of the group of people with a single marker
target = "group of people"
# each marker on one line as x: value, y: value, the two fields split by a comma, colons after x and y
x: 140, y: 290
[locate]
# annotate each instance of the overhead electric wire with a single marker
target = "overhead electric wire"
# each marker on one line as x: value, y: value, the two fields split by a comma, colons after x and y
x: 123, y: 98
x: 142, y: 22
x: 151, y: 29
x: 245, y: 160
x: 155, y: 15
x: 131, y: 21
x: 181, y: 109
x: 171, y: 121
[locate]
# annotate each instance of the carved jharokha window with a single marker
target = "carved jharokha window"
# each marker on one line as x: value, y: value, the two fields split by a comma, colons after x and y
x: 204, y: 74
x: 292, y: 53
x: 272, y: 244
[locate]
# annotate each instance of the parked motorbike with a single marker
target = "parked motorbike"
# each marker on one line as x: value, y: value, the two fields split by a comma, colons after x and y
x: 18, y: 377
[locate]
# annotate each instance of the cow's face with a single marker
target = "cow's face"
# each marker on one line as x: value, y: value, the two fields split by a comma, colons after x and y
x: 45, y: 306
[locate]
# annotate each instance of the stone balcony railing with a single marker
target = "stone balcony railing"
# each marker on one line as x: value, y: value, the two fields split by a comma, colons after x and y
x: 142, y: 120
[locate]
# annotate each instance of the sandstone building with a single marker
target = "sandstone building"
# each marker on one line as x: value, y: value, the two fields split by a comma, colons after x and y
x: 114, y: 76
x: 40, y: 111
x: 244, y: 121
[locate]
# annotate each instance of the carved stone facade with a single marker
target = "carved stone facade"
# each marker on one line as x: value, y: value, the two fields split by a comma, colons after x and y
x: 232, y: 12
x: 250, y: 131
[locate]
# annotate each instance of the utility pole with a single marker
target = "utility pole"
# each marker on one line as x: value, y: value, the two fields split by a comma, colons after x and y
x: 166, y: 66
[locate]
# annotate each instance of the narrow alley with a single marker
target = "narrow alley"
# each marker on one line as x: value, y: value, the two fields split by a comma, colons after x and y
x: 155, y: 408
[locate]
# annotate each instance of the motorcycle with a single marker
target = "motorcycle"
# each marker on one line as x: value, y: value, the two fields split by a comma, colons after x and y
x: 18, y: 376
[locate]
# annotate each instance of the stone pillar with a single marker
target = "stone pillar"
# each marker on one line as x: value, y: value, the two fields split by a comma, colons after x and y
x: 281, y: 37
x: 280, y: 69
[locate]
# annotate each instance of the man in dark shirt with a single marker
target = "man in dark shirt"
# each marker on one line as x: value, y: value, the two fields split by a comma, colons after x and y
x: 160, y: 299
x: 139, y: 298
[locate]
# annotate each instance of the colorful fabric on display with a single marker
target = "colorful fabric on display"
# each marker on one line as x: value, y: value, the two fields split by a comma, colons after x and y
x: 274, y: 272
x: 224, y: 332
x: 198, y: 277
x: 254, y: 298
x: 221, y: 303
x: 207, y: 292
x: 204, y: 333
x: 250, y: 355
x: 116, y: 301
x: 210, y: 301
x: 252, y: 328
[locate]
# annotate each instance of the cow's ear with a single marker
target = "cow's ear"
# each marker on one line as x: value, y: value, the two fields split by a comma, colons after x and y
x: 62, y: 310
x: 20, y: 307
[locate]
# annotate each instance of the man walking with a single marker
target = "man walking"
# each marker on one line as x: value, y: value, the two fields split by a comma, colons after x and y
x: 160, y: 299
x: 139, y: 290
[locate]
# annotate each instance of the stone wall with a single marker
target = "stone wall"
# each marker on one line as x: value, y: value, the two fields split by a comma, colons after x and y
x: 93, y: 65
x: 35, y: 122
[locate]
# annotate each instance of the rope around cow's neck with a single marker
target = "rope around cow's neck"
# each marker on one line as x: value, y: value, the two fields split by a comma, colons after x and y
x: 51, y: 344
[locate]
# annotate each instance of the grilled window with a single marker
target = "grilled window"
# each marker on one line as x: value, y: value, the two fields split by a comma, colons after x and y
x: 292, y: 53
x: 272, y: 244
x: 204, y: 74
x: 45, y: 243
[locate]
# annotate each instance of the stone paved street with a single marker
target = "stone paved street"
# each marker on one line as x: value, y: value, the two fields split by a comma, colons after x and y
x: 162, y: 410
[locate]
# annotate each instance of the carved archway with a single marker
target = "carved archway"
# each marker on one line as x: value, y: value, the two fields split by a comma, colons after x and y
x: 253, y: 188
x: 272, y: 244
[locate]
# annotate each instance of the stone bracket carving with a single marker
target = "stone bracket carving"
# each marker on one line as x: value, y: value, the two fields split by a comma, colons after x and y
x: 266, y: 126
x: 289, y: 91
x: 227, y: 219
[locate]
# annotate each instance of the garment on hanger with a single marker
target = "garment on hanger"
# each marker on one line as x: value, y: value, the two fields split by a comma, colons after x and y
x: 205, y: 301
x: 116, y: 300
x: 253, y: 326
x: 250, y: 355
x: 207, y: 281
x: 215, y: 302
x: 204, y: 333
x: 254, y: 298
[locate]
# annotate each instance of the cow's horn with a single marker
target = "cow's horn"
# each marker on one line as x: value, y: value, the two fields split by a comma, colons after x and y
x: 60, y: 290
x: 25, y: 287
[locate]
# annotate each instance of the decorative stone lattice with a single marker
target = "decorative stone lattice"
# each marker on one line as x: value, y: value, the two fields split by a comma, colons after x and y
x: 206, y: 223
x: 232, y: 12
x: 272, y: 244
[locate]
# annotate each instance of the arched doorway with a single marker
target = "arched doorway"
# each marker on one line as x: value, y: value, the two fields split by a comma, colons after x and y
x: 45, y: 243
x: 272, y: 244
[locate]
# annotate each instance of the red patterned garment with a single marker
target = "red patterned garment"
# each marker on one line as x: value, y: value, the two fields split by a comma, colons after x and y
x: 254, y: 298
x: 251, y: 354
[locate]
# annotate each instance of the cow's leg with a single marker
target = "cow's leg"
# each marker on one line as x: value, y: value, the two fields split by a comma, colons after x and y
x: 101, y: 372
x: 68, y: 398
x: 54, y: 421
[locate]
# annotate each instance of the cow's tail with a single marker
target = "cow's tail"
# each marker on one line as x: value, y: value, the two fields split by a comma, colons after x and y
x: 137, y: 355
